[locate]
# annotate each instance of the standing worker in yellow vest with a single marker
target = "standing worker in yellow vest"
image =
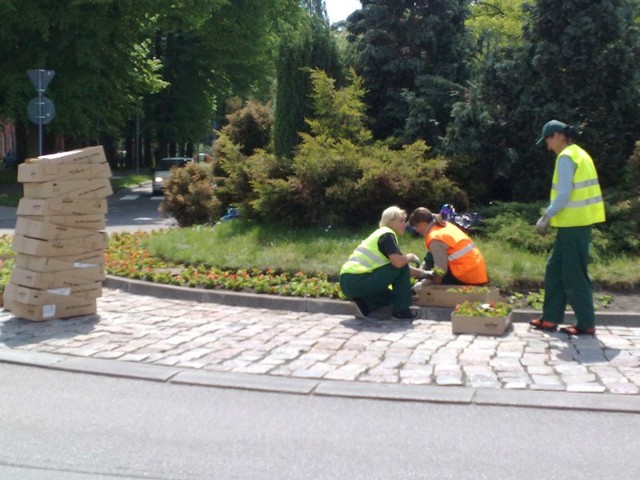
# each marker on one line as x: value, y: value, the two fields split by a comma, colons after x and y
x: 378, y: 274
x: 576, y: 205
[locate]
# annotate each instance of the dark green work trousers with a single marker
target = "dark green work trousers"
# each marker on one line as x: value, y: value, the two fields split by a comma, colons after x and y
x: 566, y: 279
x: 373, y: 288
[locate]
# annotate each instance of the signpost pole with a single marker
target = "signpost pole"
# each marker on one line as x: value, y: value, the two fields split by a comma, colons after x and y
x: 40, y: 109
x: 39, y: 113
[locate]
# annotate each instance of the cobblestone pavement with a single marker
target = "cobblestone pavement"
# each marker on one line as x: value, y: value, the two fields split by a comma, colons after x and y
x: 219, y: 338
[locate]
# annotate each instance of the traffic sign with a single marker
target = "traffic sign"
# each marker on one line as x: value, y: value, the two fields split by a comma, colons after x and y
x: 41, y: 110
x: 41, y: 78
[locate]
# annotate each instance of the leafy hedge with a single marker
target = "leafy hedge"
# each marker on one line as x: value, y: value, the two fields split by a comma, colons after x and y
x: 338, y: 175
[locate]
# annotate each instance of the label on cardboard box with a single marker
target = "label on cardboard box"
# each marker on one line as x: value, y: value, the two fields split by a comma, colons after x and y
x: 48, y: 231
x: 36, y: 296
x: 61, y: 206
x: 38, y: 313
x: 93, y: 154
x: 47, y: 172
x: 37, y: 263
x: 452, y: 295
x: 91, y: 189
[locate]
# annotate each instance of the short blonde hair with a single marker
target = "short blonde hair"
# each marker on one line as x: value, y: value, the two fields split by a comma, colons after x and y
x: 390, y: 214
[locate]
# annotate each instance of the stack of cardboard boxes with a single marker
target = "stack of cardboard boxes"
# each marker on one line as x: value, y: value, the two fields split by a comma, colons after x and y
x: 59, y: 238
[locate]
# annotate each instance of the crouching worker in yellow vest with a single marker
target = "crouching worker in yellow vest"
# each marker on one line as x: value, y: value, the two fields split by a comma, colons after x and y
x: 378, y: 274
x: 576, y: 204
x: 450, y: 250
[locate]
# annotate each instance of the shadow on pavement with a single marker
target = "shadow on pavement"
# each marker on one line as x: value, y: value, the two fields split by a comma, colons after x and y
x: 18, y: 332
x: 376, y: 325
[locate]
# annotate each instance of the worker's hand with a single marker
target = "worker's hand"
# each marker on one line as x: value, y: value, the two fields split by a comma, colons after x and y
x: 542, y: 225
x: 428, y: 274
x: 413, y: 258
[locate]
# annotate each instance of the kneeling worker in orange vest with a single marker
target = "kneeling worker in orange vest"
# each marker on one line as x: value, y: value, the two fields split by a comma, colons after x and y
x: 452, y: 251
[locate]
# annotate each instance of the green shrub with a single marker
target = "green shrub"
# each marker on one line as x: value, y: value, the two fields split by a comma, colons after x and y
x: 189, y: 196
x: 6, y: 260
x: 516, y: 232
x: 338, y: 177
x: 250, y: 126
x: 622, y: 228
x: 633, y: 169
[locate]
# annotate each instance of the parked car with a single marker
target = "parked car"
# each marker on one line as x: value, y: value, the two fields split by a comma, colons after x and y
x: 162, y: 171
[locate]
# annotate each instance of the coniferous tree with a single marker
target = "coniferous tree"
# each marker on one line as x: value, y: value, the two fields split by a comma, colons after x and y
x: 411, y: 55
x: 311, y: 46
x: 578, y: 63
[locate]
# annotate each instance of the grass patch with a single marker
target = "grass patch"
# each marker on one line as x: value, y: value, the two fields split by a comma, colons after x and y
x: 243, y: 244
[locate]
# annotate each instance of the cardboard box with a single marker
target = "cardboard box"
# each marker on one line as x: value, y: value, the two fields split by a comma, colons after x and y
x: 39, y: 313
x: 86, y: 222
x: 83, y: 189
x: 84, y: 155
x: 480, y: 325
x: 47, y: 172
x: 61, y: 278
x: 452, y: 295
x: 36, y: 296
x: 61, y: 206
x: 37, y: 263
x: 60, y: 248
x: 48, y: 231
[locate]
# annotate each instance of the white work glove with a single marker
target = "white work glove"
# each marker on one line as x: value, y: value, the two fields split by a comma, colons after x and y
x: 419, y: 285
x: 425, y: 274
x: 413, y: 258
x: 542, y: 225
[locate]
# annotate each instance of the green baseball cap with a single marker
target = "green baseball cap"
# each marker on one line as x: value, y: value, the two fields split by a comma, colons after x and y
x: 549, y: 129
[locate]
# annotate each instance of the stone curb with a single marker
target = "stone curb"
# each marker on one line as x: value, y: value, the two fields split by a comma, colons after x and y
x: 328, y: 388
x: 316, y: 305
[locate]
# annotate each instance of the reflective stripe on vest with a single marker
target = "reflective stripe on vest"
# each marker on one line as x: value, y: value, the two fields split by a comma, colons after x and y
x: 374, y: 262
x: 466, y: 263
x: 462, y: 251
x: 367, y: 257
x: 585, y: 206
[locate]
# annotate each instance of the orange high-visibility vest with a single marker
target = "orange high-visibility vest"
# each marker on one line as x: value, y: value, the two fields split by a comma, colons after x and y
x: 465, y: 260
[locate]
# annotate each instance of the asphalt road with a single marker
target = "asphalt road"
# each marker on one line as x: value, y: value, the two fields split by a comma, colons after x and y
x: 128, y: 210
x: 58, y: 425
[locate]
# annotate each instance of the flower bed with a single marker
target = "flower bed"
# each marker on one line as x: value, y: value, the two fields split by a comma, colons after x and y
x: 125, y: 257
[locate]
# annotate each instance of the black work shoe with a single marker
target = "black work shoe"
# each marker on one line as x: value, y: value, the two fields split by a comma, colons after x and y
x: 406, y: 315
x: 360, y: 308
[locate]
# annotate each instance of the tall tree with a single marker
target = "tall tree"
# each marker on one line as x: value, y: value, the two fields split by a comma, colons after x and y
x: 310, y: 45
x: 411, y: 55
x: 578, y: 63
x: 98, y: 51
x: 202, y: 67
x: 113, y: 57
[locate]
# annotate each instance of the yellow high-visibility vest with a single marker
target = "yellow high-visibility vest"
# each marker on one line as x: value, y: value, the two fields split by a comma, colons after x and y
x: 585, y: 206
x: 367, y: 256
